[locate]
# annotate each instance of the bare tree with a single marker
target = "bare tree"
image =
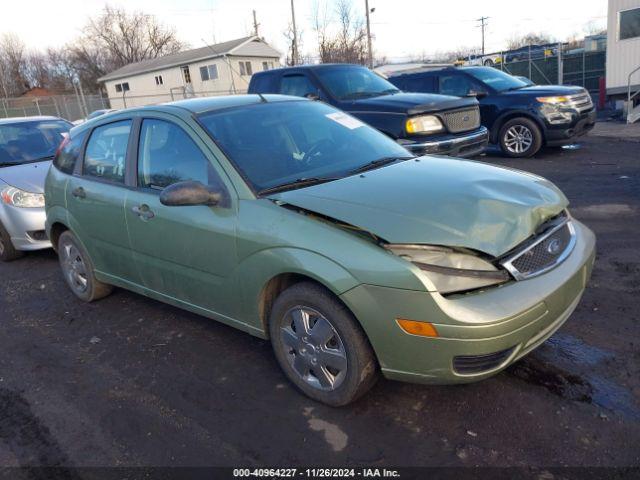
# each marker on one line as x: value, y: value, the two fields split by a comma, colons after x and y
x: 288, y: 35
x: 341, y: 35
x: 116, y: 38
x: 13, y: 75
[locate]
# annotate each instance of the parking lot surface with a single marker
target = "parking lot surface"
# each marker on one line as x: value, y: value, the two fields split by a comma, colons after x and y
x: 128, y: 381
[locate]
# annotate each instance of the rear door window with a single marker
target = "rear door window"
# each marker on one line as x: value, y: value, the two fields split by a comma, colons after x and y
x: 167, y: 155
x: 107, y: 151
x: 420, y: 83
x: 455, y: 85
x: 66, y: 158
x: 297, y: 85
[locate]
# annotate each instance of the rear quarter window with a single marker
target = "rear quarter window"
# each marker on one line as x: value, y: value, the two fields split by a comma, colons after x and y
x: 67, y: 156
x: 262, y: 83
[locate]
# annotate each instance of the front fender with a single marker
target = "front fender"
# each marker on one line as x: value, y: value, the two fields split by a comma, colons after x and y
x: 512, y: 113
x: 255, y: 271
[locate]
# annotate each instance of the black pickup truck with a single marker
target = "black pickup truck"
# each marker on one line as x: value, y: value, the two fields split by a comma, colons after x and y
x: 422, y: 123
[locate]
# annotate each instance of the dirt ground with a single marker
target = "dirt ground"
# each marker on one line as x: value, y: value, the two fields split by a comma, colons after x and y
x: 129, y: 381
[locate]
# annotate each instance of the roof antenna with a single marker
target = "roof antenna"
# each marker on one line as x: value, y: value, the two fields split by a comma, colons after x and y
x: 262, y: 99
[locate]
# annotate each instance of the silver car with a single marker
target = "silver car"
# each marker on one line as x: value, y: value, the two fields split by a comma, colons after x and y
x: 27, y: 146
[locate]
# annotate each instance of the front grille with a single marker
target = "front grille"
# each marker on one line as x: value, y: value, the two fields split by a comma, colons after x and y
x: 544, y: 251
x: 581, y: 101
x: 462, y: 120
x: 469, y: 364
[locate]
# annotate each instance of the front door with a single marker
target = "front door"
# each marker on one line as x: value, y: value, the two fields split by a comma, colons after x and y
x: 186, y: 253
x: 95, y: 198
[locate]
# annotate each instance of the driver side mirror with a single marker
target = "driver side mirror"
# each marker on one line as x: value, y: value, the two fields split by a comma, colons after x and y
x: 315, y: 96
x: 191, y: 193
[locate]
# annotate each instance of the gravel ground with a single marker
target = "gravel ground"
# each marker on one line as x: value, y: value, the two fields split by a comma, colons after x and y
x: 128, y: 381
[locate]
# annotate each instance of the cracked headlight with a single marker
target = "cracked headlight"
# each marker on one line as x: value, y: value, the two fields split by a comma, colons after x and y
x: 19, y: 198
x: 448, y: 270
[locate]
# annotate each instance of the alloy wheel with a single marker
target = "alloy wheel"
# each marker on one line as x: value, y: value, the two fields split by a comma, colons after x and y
x: 74, y: 267
x: 518, y: 139
x: 315, y: 350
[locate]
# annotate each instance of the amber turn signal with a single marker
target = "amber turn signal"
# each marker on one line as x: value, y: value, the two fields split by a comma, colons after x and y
x: 422, y: 329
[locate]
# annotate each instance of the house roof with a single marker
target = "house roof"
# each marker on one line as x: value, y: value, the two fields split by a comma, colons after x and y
x: 248, y: 46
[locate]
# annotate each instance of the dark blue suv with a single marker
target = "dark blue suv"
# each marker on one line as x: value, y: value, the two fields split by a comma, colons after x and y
x: 422, y: 123
x: 521, y: 118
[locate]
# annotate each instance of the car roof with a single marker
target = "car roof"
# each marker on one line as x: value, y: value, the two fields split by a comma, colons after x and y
x: 40, y: 118
x: 208, y: 104
x: 322, y: 66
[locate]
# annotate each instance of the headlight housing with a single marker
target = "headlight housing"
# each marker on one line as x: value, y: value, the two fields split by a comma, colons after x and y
x: 424, y: 124
x: 561, y: 100
x: 19, y: 198
x: 451, y: 271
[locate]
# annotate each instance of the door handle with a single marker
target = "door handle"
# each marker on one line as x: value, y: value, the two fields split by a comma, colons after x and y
x: 79, y: 193
x: 143, y: 212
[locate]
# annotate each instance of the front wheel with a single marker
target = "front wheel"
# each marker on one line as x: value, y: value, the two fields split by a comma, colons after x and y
x: 7, y: 250
x: 520, y: 137
x: 320, y: 346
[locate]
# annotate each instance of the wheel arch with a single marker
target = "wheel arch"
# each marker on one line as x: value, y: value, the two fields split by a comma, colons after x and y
x: 57, y: 228
x: 505, y: 117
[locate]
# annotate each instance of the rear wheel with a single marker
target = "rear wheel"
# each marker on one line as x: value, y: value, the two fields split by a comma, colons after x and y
x: 320, y: 346
x: 7, y: 250
x: 520, y: 137
x: 77, y: 270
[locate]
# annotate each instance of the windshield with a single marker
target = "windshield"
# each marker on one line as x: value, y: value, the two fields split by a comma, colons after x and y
x: 350, y: 82
x: 273, y: 144
x: 496, y: 79
x: 24, y: 142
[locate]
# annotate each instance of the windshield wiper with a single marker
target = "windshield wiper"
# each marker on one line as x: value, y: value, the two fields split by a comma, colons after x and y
x: 298, y: 183
x: 381, y: 162
x: 356, y: 95
x: 24, y: 162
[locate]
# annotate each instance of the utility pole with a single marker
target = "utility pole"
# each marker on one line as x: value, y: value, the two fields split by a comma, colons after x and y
x: 483, y: 25
x: 255, y: 25
x: 295, y: 35
x: 370, y: 50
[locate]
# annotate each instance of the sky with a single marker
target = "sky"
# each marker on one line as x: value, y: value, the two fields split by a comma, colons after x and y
x: 400, y: 28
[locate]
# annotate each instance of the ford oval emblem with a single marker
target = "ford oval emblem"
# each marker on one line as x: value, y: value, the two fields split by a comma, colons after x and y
x: 553, y: 247
x: 465, y: 118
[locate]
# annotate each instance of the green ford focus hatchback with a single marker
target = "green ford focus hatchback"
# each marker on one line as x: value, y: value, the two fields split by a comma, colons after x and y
x: 295, y: 222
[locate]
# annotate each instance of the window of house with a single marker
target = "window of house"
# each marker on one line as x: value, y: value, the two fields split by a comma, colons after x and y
x: 158, y: 165
x: 245, y: 68
x: 159, y: 80
x: 630, y: 24
x: 106, y: 151
x: 122, y: 87
x: 209, y: 72
x: 186, y: 74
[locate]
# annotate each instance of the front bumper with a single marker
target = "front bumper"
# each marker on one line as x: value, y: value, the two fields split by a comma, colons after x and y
x: 25, y: 226
x: 514, y: 319
x: 462, y: 145
x: 557, y: 135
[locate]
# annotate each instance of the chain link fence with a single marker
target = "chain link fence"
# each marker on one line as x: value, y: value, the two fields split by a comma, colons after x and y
x: 562, y: 66
x: 71, y: 107
x: 178, y: 93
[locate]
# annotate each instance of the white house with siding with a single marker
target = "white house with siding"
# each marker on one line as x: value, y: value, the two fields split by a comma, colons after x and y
x: 219, y: 69
x: 623, y: 46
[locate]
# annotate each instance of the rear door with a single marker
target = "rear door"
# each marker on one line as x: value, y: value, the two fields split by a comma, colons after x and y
x: 95, y: 197
x: 185, y: 253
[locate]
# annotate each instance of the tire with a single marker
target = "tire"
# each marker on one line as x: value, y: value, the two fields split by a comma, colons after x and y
x: 344, y: 362
x: 78, y: 271
x: 8, y: 252
x: 520, y: 137
x: 488, y: 63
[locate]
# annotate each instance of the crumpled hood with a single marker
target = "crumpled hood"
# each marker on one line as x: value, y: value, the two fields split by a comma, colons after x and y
x: 438, y: 201
x: 28, y: 177
x: 546, y: 90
